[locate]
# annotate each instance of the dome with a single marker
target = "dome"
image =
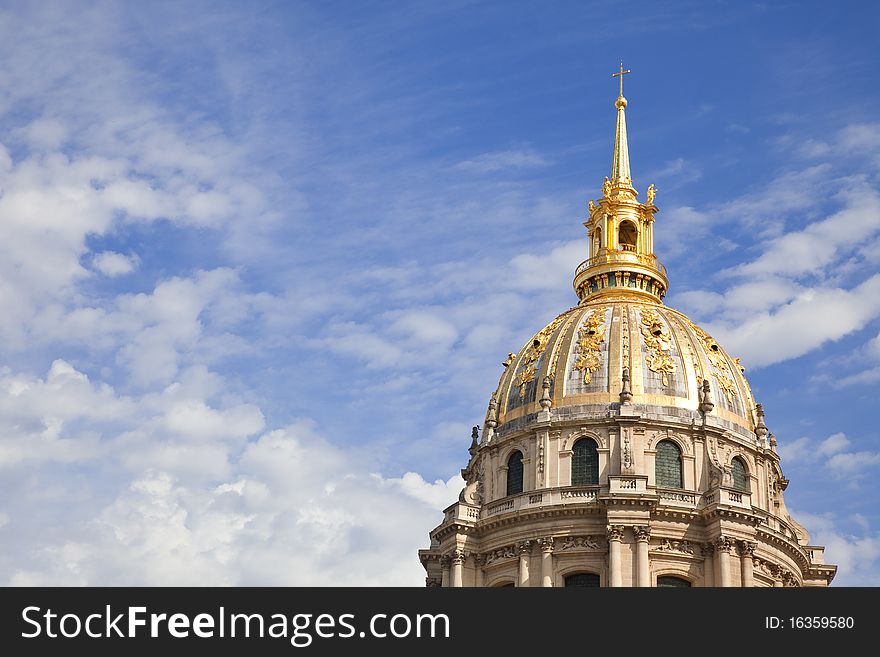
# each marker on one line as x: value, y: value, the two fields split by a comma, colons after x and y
x: 585, y: 350
x: 622, y: 446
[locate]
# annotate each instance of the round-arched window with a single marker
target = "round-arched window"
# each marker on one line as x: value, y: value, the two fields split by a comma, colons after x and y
x: 515, y: 473
x: 628, y: 235
x: 740, y: 474
x: 670, y: 581
x: 667, y: 469
x: 590, y: 580
x: 585, y: 463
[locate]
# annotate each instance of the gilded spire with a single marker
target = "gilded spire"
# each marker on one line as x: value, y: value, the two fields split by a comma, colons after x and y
x: 620, y: 174
x: 621, y: 231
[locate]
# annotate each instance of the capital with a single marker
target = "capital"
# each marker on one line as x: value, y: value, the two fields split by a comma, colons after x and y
x: 642, y: 532
x: 723, y: 543
x: 615, y: 532
x: 524, y: 548
x: 747, y: 548
x: 547, y: 544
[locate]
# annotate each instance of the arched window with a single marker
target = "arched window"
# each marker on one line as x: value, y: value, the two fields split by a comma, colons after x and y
x: 584, y: 463
x: 667, y: 468
x: 669, y: 581
x: 590, y: 580
x: 627, y: 236
x: 598, y: 240
x: 740, y: 474
x: 515, y: 473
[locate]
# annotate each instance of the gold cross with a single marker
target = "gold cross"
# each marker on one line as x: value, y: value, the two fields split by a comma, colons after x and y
x: 620, y: 75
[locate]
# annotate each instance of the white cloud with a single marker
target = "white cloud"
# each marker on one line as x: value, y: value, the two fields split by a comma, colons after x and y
x: 856, y: 554
x: 834, y: 444
x: 552, y: 270
x: 829, y: 451
x: 295, y: 511
x: 496, y: 161
x: 110, y: 263
x: 816, y: 316
x: 801, y: 449
x: 680, y: 170
x: 821, y: 242
x: 850, y: 462
x: 44, y: 134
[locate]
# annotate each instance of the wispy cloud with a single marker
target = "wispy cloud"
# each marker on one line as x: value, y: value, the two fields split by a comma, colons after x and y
x: 502, y: 160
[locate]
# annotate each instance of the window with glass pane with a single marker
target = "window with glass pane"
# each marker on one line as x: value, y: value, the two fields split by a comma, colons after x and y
x: 583, y: 579
x: 584, y: 463
x: 515, y: 473
x: 668, y: 581
x: 740, y: 475
x: 668, y: 465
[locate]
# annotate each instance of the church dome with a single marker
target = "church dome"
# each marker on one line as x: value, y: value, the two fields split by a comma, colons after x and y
x: 622, y: 446
x: 586, y: 351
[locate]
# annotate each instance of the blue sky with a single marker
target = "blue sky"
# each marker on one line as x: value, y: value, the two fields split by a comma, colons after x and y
x: 260, y: 262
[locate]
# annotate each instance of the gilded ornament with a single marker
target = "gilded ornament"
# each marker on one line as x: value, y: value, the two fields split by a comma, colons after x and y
x: 529, y: 368
x: 658, y: 342
x: 590, y: 338
x: 716, y: 357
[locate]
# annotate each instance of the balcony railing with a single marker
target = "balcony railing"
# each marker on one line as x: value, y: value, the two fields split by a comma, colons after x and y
x: 619, y: 485
x: 622, y: 257
x: 543, y: 497
x: 675, y: 497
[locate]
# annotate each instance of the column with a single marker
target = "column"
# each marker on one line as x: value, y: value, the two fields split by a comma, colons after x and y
x: 644, y: 572
x: 525, y: 553
x: 708, y: 549
x: 547, y: 561
x: 479, y: 562
x: 445, y: 562
x: 457, y: 568
x: 747, y: 553
x: 615, y: 536
x: 722, y: 560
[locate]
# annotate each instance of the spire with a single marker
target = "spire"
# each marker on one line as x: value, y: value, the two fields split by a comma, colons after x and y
x: 620, y: 174
x: 621, y: 231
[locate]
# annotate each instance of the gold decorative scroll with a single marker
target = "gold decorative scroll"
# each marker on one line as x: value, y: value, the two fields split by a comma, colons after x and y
x: 557, y: 348
x: 590, y: 338
x: 529, y: 367
x: 719, y: 363
x: 658, y: 342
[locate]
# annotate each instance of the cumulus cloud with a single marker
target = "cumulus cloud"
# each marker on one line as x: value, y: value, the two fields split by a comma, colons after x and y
x: 110, y: 263
x: 814, y: 317
x: 832, y: 452
x: 294, y: 510
x: 850, y: 543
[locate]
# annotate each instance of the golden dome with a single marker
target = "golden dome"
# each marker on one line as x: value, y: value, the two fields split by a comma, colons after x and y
x: 585, y: 350
x: 620, y: 328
